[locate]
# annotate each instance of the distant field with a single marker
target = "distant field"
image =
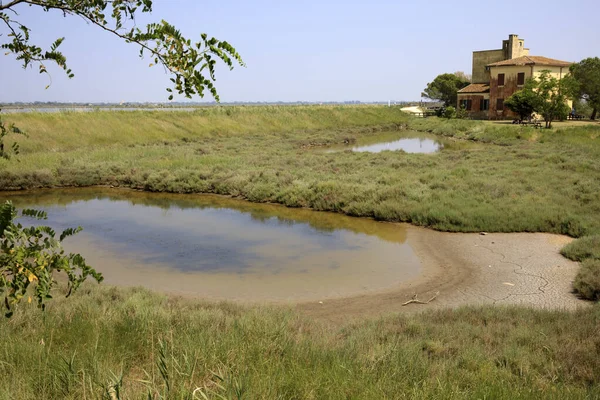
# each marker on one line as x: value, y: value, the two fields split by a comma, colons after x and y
x: 523, y: 180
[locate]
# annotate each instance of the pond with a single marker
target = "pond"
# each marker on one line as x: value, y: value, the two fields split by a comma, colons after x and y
x: 407, y: 141
x: 222, y: 248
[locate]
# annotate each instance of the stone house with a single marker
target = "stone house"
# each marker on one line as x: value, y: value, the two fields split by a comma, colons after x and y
x: 497, y: 74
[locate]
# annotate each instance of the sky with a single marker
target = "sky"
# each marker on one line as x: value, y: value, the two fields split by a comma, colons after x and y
x: 311, y: 50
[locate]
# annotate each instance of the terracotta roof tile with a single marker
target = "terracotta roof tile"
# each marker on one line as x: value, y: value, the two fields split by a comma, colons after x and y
x: 476, y: 88
x: 531, y: 60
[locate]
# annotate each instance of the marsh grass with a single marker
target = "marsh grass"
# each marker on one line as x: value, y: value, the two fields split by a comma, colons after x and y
x: 586, y: 247
x: 134, y: 342
x: 587, y: 251
x: 521, y: 179
x: 587, y: 281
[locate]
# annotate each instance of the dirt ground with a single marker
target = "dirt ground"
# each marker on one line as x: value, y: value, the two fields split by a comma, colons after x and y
x: 470, y: 269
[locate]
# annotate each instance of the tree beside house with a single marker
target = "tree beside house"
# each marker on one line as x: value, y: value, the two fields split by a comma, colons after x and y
x: 498, y: 74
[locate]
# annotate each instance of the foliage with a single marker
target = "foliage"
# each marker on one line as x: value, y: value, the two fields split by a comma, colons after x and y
x: 585, y: 247
x: 552, y: 94
x: 462, y: 112
x: 586, y: 75
x: 445, y: 88
x: 587, y: 251
x: 4, y: 132
x: 582, y: 107
x: 192, y: 64
x: 587, y: 281
x: 449, y: 112
x: 131, y: 341
x: 524, y: 102
x: 31, y: 256
x: 547, y: 95
x: 463, y: 76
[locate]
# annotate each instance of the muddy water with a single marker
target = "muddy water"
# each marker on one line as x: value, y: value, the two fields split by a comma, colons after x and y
x: 407, y: 141
x: 222, y: 248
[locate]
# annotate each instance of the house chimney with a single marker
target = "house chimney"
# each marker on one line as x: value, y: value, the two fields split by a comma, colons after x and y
x: 514, y: 47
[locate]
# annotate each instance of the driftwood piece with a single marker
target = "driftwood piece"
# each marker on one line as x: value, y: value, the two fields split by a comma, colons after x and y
x: 414, y: 300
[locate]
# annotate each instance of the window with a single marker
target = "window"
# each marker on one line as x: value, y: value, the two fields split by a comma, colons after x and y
x: 521, y: 78
x: 500, y: 79
x: 484, y: 105
x: 499, y: 104
x: 467, y: 104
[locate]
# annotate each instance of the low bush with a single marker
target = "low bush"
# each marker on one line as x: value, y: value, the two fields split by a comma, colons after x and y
x: 587, y: 281
x: 585, y: 247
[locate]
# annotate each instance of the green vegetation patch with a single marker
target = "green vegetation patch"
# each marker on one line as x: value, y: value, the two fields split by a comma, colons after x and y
x: 518, y: 179
x: 585, y: 247
x: 587, y: 281
x: 136, y: 342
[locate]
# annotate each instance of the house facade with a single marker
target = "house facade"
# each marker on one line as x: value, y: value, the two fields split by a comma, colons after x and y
x: 497, y: 74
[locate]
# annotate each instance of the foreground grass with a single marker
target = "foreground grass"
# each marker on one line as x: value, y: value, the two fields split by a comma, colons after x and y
x: 138, y: 342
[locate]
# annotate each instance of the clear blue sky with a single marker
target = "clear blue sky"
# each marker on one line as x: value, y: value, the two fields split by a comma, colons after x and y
x: 308, y: 50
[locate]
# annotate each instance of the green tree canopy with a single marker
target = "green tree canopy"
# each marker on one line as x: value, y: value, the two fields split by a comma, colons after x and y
x: 546, y: 95
x: 191, y: 64
x: 552, y: 97
x: 524, y: 102
x: 445, y: 88
x: 586, y: 75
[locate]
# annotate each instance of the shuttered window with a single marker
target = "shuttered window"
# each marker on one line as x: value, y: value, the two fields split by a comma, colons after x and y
x: 500, y: 79
x: 500, y: 104
x: 467, y: 104
x: 521, y: 78
x: 484, y: 105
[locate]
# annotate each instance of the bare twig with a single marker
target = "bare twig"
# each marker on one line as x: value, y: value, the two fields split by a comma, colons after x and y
x: 414, y: 300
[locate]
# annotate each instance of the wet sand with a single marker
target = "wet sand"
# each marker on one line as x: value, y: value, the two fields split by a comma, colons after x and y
x: 471, y: 269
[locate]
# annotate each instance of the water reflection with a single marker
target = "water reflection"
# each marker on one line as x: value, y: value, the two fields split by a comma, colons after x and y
x: 407, y: 141
x: 225, y: 248
x: 414, y: 145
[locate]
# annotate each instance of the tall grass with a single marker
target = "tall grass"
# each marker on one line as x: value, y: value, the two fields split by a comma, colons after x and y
x: 130, y: 343
x: 69, y: 130
x: 135, y: 343
x: 586, y: 250
x: 522, y: 180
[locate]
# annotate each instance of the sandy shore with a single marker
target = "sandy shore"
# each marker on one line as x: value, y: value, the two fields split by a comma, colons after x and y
x: 470, y: 269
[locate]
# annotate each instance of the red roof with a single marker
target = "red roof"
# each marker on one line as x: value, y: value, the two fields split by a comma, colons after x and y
x: 476, y: 88
x: 531, y: 60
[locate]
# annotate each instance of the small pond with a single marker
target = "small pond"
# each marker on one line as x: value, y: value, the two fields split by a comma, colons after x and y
x: 223, y: 248
x: 407, y: 141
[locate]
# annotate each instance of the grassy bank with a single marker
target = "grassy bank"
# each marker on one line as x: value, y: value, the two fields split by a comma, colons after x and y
x: 518, y: 179
x: 138, y: 341
x: 106, y: 340
x: 523, y: 180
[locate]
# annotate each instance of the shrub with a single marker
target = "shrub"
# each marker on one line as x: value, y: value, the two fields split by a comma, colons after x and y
x: 29, y: 257
x: 450, y: 112
x: 580, y: 249
x: 462, y: 112
x: 587, y: 281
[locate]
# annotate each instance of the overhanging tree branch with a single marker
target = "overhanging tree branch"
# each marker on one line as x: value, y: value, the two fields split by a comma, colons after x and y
x: 191, y: 64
